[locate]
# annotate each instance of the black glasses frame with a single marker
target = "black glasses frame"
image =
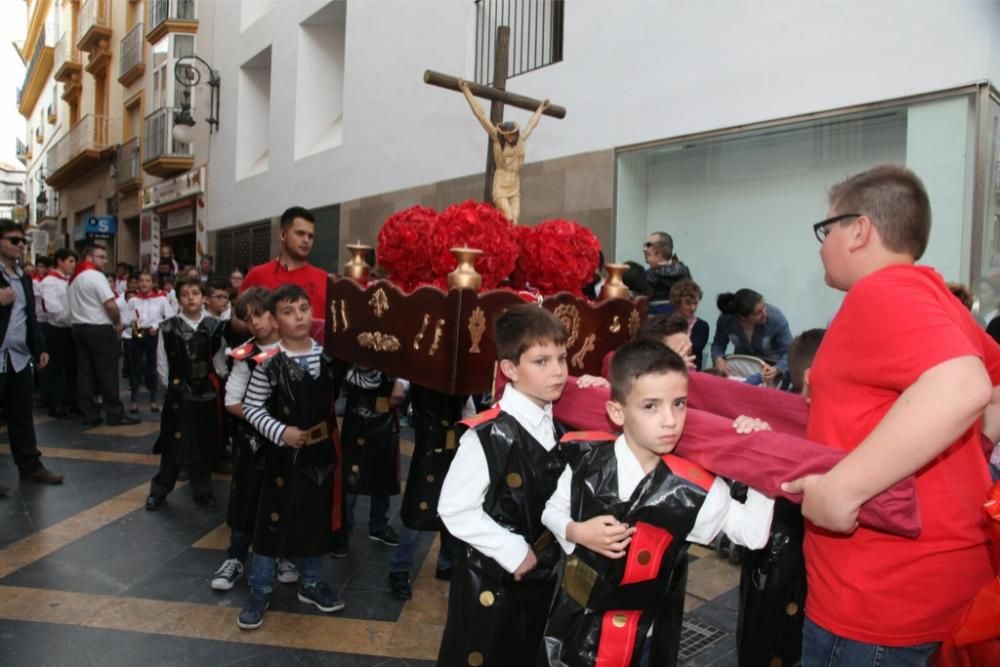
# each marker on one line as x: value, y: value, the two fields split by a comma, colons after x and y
x: 15, y: 240
x: 820, y: 228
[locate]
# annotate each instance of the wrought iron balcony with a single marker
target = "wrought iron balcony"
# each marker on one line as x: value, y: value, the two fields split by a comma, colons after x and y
x: 128, y: 167
x: 81, y: 150
x: 67, y: 60
x: 170, y: 16
x: 164, y: 156
x: 132, y: 63
x: 39, y: 68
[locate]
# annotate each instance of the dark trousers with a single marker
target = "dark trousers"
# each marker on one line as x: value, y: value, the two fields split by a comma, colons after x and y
x: 97, y: 370
x: 200, y: 476
x: 141, y: 353
x: 61, y: 370
x: 15, y: 397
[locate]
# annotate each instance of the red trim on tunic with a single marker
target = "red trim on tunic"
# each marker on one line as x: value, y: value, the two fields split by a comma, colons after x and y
x: 588, y: 436
x: 645, y: 553
x: 615, y: 647
x: 482, y: 417
x: 689, y: 471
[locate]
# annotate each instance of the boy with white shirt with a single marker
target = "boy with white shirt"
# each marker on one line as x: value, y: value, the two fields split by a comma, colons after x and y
x: 623, y: 510
x: 58, y: 337
x: 506, y: 466
x: 289, y: 401
x: 142, y: 316
x: 189, y: 352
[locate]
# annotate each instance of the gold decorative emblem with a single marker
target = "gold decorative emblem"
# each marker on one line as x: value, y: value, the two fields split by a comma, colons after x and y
x: 361, y: 441
x: 379, y: 302
x: 378, y: 341
x: 343, y: 313
x: 333, y: 315
x: 477, y: 325
x: 578, y: 580
x: 423, y: 330
x: 449, y: 440
x: 792, y: 609
x: 382, y: 404
x: 423, y: 505
x: 643, y: 557
x: 355, y: 468
x: 275, y: 517
x: 514, y: 480
x: 619, y: 620
x: 279, y: 482
x: 486, y: 598
x: 569, y: 315
x: 438, y: 330
x: 775, y: 662
x: 475, y: 659
x: 430, y: 478
x: 616, y: 324
x: 588, y: 346
x: 633, y: 323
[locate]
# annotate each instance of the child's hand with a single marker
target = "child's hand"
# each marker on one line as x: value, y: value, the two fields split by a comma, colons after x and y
x: 293, y: 437
x: 605, y: 535
x: 744, y: 425
x: 589, y: 381
x: 396, y: 397
x: 769, y: 374
x: 529, y: 563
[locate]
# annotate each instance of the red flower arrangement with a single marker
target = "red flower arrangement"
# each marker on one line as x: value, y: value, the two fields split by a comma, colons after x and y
x: 474, y: 225
x: 405, y: 248
x: 558, y: 256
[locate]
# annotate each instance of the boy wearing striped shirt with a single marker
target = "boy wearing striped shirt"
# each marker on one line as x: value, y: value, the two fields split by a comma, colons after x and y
x: 289, y: 400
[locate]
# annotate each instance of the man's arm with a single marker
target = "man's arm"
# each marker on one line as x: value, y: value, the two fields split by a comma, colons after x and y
x: 926, y: 419
x: 111, y: 308
x: 477, y: 110
x: 162, y: 368
x: 719, y: 342
x: 533, y: 121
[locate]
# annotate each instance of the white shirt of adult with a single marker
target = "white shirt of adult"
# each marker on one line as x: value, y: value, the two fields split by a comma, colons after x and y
x: 163, y: 365
x: 747, y: 524
x: 464, y: 489
x: 52, y: 293
x: 86, y: 295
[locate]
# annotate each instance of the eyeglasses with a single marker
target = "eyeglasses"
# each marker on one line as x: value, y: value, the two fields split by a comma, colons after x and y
x: 15, y: 240
x: 647, y: 244
x: 821, y: 228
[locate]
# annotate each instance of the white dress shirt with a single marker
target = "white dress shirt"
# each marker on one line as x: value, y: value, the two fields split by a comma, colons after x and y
x: 150, y: 312
x: 163, y: 366
x: 51, y: 292
x: 747, y: 524
x: 40, y: 315
x: 464, y: 489
x: 86, y: 295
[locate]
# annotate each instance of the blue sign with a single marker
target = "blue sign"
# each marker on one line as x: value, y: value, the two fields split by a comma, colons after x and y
x: 102, y: 226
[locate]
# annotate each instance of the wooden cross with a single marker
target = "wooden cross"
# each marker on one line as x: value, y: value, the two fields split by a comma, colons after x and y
x: 498, y: 96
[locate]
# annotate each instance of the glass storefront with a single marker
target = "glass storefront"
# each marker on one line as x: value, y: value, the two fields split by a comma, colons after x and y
x: 740, y: 204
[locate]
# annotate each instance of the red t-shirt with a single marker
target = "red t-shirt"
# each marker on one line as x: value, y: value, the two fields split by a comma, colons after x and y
x: 873, y: 587
x: 273, y: 275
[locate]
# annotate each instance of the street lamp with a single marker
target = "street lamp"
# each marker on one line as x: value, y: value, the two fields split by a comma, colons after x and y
x: 189, y: 76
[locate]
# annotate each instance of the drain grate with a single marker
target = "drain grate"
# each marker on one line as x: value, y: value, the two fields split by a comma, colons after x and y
x: 698, y: 636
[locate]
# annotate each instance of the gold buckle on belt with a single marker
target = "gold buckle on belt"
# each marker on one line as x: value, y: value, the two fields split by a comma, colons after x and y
x: 317, y: 434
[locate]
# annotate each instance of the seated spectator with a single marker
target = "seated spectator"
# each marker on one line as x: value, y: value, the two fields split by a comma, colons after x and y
x: 754, y: 328
x: 685, y: 296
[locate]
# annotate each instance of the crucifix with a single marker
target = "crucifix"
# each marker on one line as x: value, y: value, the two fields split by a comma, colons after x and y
x: 505, y: 151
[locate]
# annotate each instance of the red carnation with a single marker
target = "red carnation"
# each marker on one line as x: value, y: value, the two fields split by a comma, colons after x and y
x: 477, y: 225
x: 405, y: 248
x: 559, y: 256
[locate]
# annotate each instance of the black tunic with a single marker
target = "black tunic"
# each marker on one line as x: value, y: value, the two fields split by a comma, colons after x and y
x: 190, y: 422
x: 300, y: 508
x: 434, y: 418
x: 371, y: 441
x: 492, y: 619
x: 244, y: 488
x: 606, y: 606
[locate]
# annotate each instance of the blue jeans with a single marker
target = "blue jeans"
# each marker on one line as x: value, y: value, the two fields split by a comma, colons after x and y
x: 378, y: 513
x: 401, y: 559
x: 239, y: 545
x: 822, y: 648
x: 264, y: 568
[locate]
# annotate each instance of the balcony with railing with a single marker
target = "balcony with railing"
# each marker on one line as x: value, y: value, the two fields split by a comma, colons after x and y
x: 166, y: 16
x: 35, y: 76
x: 164, y: 155
x: 68, y: 64
x: 23, y: 151
x: 131, y: 63
x: 94, y: 24
x: 128, y: 167
x: 81, y: 150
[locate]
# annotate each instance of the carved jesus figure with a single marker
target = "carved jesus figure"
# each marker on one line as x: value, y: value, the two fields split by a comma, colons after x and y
x: 508, y: 154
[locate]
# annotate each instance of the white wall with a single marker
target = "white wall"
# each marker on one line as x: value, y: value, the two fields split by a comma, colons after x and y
x: 633, y: 71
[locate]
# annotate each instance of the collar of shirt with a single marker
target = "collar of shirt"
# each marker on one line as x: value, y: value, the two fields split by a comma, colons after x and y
x: 630, y: 471
x: 17, y: 271
x: 191, y: 323
x: 537, y: 420
x: 315, y: 349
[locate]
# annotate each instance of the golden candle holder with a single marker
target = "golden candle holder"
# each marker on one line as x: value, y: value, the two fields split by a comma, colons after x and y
x: 465, y: 276
x: 357, y: 268
x: 614, y: 287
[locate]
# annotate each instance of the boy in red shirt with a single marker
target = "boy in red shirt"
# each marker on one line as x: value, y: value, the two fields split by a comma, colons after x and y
x: 904, y: 380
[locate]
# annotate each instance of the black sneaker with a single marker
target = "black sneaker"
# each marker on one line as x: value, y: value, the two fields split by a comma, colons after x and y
x: 386, y: 536
x: 252, y: 616
x: 399, y: 584
x: 207, y: 500
x: 154, y: 501
x: 227, y: 575
x: 443, y: 573
x: 321, y: 597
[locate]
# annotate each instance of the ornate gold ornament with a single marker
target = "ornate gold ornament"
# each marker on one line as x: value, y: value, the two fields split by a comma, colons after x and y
x: 633, y: 323
x: 477, y: 326
x: 588, y: 346
x: 438, y: 330
x: 420, y: 334
x: 569, y: 315
x: 379, y: 302
x: 378, y: 341
x: 616, y: 324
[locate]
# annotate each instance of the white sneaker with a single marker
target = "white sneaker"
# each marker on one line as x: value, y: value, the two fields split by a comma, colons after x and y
x: 287, y: 574
x: 228, y: 574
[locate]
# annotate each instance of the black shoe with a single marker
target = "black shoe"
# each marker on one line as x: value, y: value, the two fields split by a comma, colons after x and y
x: 443, y: 573
x: 96, y: 421
x: 184, y: 475
x: 42, y: 476
x: 154, y: 501
x: 3, y: 490
x: 386, y: 536
x: 399, y: 584
x: 59, y: 413
x: 124, y: 421
x: 207, y: 500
